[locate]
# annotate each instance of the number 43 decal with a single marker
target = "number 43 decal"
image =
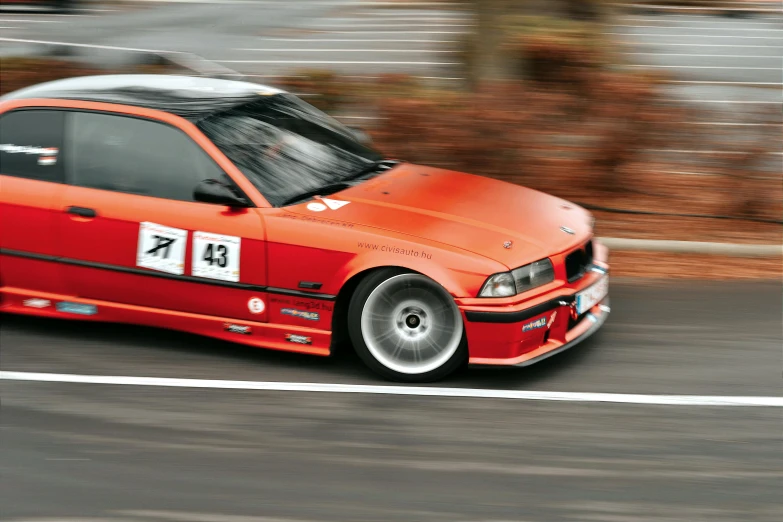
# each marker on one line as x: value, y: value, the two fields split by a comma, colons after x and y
x: 216, y: 256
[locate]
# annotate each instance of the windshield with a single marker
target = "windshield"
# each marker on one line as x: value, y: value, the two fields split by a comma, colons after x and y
x: 287, y: 147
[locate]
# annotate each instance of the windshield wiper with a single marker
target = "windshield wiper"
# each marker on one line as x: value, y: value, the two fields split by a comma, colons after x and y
x: 331, y: 188
x: 384, y: 164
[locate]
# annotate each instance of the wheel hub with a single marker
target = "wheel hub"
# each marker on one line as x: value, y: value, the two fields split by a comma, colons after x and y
x: 412, y: 322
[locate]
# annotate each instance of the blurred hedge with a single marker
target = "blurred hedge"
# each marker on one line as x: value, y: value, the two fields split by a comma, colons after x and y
x: 583, y: 132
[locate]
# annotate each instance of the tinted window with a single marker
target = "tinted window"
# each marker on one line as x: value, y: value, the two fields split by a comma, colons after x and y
x: 137, y: 156
x: 31, y: 144
x: 286, y: 147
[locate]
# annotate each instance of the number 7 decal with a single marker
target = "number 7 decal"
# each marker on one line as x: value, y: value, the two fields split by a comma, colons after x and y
x: 161, y: 248
x: 216, y: 256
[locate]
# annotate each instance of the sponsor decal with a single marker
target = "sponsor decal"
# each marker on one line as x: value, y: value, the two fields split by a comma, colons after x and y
x: 551, y: 319
x: 310, y: 316
x: 334, y: 204
x: 534, y: 325
x: 76, y: 308
x: 307, y: 304
x: 395, y: 250
x: 319, y: 220
x: 298, y: 339
x: 47, y: 160
x: 237, y: 328
x: 161, y: 248
x: 216, y: 256
x: 256, y: 305
x: 36, y: 303
x: 325, y: 203
x: 316, y: 207
x: 22, y: 149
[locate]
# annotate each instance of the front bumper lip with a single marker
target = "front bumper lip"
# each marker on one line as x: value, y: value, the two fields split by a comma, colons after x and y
x: 596, y: 320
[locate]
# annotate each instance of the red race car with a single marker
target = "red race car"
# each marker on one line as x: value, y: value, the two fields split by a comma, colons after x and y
x: 237, y: 211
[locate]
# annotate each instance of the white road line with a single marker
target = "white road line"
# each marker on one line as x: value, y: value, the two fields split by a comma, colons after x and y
x: 708, y: 22
x: 733, y: 37
x: 726, y: 101
x: 695, y: 28
x: 91, y: 46
x: 701, y: 8
x: 357, y: 40
x: 706, y: 45
x: 705, y: 151
x: 335, y: 62
x: 413, y: 18
x: 770, y: 57
x: 714, y: 82
x: 725, y: 123
x: 347, y: 50
x: 423, y: 391
x: 327, y: 31
x: 706, y: 67
x: 33, y: 21
x: 324, y: 25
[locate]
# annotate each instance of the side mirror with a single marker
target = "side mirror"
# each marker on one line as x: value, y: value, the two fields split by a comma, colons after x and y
x: 213, y: 191
x: 360, y: 135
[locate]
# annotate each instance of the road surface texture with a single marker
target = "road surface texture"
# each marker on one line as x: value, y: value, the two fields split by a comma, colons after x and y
x: 99, y: 453
x: 86, y: 452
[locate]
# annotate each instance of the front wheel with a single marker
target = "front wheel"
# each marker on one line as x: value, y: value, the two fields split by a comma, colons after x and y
x: 406, y: 327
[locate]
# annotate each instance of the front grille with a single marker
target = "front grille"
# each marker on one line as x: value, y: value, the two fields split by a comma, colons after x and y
x: 578, y: 261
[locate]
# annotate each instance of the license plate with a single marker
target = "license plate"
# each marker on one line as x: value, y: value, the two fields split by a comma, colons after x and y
x: 586, y: 299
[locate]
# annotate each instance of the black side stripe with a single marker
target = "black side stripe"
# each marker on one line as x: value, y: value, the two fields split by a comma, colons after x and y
x: 163, y: 275
x: 520, y: 315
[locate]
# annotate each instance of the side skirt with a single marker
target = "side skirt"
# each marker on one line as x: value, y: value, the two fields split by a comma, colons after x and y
x: 261, y: 335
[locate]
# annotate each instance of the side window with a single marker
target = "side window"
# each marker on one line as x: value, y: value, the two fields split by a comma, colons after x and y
x: 31, y: 144
x: 136, y: 156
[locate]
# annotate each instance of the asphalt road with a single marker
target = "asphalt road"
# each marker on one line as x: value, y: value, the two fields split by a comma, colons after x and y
x: 93, y: 453
x: 77, y: 452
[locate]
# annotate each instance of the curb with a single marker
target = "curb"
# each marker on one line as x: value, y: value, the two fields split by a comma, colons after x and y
x: 692, y: 247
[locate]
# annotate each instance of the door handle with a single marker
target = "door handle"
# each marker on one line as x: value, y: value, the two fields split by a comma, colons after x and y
x: 82, y: 211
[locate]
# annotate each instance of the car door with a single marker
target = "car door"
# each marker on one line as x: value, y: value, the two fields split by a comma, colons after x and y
x: 31, y: 184
x: 133, y: 234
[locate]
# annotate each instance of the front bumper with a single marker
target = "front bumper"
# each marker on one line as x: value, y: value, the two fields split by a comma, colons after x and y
x: 526, y: 332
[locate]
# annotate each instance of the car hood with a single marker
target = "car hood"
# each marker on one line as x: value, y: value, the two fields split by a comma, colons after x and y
x: 470, y: 212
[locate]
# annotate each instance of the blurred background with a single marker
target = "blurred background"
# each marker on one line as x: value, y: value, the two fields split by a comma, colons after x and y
x: 663, y: 117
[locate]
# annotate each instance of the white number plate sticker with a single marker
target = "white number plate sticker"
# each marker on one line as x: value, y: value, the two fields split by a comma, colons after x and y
x: 586, y: 299
x: 161, y: 248
x: 216, y: 256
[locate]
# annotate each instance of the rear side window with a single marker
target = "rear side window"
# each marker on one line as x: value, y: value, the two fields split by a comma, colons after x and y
x: 31, y: 143
x: 136, y: 156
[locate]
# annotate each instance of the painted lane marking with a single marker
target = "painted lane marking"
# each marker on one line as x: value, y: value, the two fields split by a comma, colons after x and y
x: 90, y: 46
x: 706, y: 67
x: 336, y: 62
x: 702, y: 45
x: 271, y: 50
x: 353, y: 40
x: 666, y: 35
x: 702, y: 28
x: 769, y: 57
x: 623, y: 398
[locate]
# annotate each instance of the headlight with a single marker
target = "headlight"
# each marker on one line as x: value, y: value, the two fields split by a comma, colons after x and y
x: 499, y: 285
x: 519, y: 280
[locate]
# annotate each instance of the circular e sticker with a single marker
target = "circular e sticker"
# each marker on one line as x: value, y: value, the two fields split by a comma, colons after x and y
x: 316, y: 207
x: 256, y: 305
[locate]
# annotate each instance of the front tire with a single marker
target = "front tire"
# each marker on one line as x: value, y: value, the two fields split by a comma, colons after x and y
x: 406, y: 327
